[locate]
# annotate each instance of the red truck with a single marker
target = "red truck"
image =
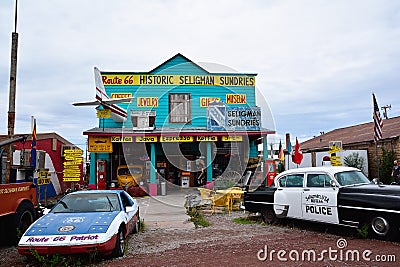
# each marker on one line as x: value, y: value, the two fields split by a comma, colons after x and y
x: 18, y: 205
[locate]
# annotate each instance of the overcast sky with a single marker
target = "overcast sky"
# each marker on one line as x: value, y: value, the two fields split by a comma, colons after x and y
x: 318, y: 62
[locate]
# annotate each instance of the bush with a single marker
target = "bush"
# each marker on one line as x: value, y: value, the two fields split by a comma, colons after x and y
x: 386, y: 166
x: 354, y: 160
x: 197, y: 218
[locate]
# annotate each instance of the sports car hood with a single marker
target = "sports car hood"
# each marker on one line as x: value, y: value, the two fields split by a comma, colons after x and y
x: 72, y: 223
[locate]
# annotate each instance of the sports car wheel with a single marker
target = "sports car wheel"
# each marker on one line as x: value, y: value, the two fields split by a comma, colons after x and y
x: 137, y: 225
x: 268, y: 215
x: 119, y: 248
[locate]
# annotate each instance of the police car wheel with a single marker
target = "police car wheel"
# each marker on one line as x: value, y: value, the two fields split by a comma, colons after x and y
x: 268, y: 215
x: 382, y: 227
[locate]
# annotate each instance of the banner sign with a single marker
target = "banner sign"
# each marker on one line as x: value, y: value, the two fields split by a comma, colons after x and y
x: 121, y: 139
x: 198, y: 80
x: 233, y: 118
x: 232, y: 138
x: 176, y: 139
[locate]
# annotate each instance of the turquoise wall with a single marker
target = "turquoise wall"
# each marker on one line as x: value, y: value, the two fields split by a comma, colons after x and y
x: 177, y: 65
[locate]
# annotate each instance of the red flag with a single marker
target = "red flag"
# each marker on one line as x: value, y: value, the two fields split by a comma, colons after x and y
x: 378, y: 123
x: 298, y: 155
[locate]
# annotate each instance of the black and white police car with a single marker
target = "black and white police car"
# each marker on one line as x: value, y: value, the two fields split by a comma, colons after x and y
x: 334, y: 195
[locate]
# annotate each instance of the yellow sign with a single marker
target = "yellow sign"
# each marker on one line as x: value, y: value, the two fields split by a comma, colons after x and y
x: 233, y: 138
x: 147, y: 101
x: 100, y: 144
x: 336, y: 161
x: 206, y: 138
x: 121, y: 95
x: 120, y: 139
x: 205, y: 101
x: 176, y: 139
x: 103, y: 113
x: 235, y: 98
x: 43, y: 181
x: 71, y: 179
x: 198, y: 80
x: 334, y: 149
x: 43, y: 174
x: 142, y: 139
x: 78, y: 152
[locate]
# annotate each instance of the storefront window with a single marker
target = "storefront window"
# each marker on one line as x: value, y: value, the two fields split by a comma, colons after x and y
x: 180, y: 110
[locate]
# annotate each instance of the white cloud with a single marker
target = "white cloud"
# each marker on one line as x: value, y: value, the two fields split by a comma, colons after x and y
x: 317, y: 61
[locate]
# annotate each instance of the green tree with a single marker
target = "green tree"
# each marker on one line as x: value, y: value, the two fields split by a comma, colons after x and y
x: 386, y: 165
x: 354, y: 160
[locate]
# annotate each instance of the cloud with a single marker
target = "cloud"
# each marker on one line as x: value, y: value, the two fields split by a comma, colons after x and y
x: 317, y: 62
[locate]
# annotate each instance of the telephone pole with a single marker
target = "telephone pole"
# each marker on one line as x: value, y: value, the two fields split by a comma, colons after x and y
x: 11, y: 103
x: 385, y: 108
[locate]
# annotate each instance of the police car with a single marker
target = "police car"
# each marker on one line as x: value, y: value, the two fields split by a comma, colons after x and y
x: 84, y: 222
x: 334, y: 195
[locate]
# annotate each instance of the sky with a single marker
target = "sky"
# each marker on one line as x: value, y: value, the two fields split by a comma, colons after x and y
x: 317, y: 62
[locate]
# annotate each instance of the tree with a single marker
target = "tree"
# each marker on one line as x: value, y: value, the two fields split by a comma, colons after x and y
x: 386, y: 165
x: 354, y: 160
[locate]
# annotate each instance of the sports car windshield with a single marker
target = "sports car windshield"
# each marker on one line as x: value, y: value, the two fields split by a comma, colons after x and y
x: 101, y: 202
x: 351, y: 178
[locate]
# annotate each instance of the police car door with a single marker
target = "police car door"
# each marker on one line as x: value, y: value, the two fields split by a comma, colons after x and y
x: 319, y: 200
x: 287, y: 197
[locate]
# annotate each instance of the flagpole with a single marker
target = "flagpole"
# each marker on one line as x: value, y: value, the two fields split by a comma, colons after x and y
x: 377, y: 161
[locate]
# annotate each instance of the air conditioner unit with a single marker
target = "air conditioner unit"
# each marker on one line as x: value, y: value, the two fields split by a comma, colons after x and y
x: 143, y: 119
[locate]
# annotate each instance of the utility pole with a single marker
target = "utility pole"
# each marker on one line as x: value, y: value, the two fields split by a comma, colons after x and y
x: 11, y: 103
x: 385, y: 108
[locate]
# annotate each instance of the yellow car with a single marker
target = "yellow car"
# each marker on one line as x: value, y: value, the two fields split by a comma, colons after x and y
x: 129, y: 175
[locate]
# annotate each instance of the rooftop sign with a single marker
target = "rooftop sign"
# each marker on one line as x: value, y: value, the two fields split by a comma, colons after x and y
x: 199, y: 80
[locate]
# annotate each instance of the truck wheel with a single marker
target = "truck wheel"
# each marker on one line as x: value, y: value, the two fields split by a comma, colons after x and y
x: 25, y: 216
x: 383, y: 227
x: 119, y: 248
x: 268, y: 215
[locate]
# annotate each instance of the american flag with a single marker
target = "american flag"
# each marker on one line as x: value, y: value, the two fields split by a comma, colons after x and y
x: 378, y: 123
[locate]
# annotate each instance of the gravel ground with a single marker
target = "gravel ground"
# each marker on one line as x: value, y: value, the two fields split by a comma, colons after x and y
x: 226, y: 243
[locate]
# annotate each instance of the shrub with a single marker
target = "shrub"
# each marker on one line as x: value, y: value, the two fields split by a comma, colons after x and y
x: 354, y: 160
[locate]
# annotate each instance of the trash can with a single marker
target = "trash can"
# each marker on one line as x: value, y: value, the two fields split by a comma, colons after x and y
x: 163, y: 186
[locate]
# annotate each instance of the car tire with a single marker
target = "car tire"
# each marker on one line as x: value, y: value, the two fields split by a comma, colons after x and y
x: 268, y: 215
x: 382, y: 227
x: 136, y: 229
x: 119, y: 248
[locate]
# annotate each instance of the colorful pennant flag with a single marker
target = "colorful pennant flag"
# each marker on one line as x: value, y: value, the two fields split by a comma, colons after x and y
x: 33, y: 146
x: 281, y: 154
x: 298, y: 155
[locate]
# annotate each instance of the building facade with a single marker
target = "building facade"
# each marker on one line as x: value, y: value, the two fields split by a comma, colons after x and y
x: 358, y: 138
x: 184, y: 125
x: 49, y: 152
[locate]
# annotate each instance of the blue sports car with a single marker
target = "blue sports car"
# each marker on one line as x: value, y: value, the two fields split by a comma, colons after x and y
x: 83, y: 222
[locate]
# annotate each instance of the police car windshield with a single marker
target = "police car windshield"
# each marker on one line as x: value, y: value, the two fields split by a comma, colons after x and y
x: 351, y: 178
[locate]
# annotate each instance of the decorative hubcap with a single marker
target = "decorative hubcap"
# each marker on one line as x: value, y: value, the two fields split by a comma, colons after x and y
x: 380, y: 226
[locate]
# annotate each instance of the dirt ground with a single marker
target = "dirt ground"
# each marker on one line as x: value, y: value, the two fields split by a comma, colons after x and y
x: 227, y: 243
